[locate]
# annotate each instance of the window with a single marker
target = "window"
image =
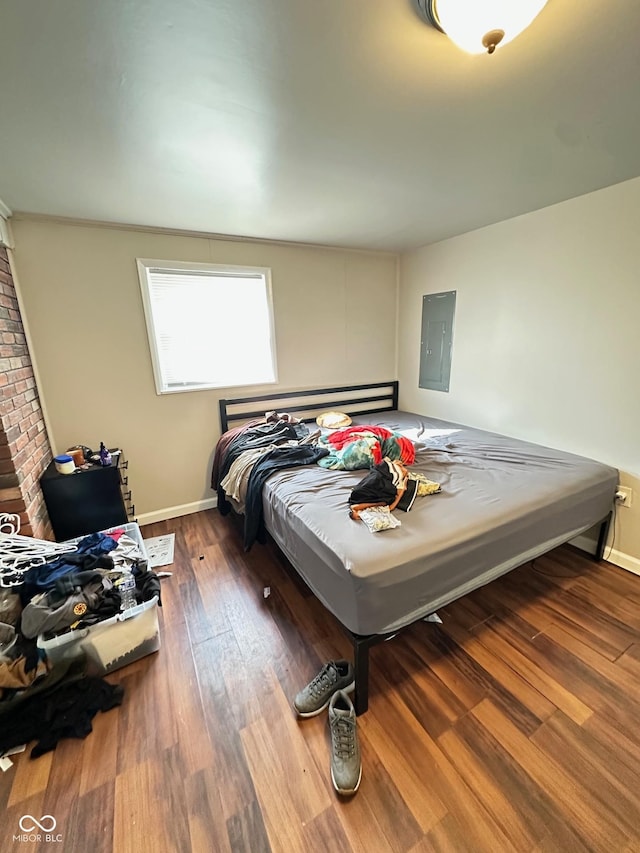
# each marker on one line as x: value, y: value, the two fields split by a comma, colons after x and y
x: 209, y: 326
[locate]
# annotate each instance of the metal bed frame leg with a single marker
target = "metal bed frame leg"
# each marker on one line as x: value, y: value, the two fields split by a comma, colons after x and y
x: 361, y: 666
x: 361, y: 645
x: 602, y: 538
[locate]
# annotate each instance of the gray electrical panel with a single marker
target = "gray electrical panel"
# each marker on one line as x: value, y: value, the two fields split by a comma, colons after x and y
x: 436, y: 340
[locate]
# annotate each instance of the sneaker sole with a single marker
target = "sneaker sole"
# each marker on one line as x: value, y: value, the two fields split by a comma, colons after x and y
x: 347, y: 791
x: 306, y: 714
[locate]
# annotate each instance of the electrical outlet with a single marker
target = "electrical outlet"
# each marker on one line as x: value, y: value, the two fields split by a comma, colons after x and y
x: 624, y: 495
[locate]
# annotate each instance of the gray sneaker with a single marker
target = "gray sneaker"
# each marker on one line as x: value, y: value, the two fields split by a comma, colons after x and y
x: 334, y: 675
x: 346, y: 767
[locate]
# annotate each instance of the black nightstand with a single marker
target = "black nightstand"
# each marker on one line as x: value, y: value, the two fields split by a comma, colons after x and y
x: 92, y: 499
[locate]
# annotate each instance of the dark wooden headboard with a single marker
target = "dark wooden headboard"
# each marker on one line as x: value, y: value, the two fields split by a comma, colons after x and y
x: 352, y: 399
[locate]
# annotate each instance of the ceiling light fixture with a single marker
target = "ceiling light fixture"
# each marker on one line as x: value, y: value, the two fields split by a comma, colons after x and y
x: 480, y: 25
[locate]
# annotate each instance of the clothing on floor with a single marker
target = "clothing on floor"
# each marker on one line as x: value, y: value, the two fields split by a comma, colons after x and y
x: 17, y: 675
x: 21, y: 666
x: 7, y: 638
x: 26, y: 648
x: 64, y: 712
x: 10, y: 606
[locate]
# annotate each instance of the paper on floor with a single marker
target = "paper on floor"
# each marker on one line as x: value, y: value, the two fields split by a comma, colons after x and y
x: 160, y: 550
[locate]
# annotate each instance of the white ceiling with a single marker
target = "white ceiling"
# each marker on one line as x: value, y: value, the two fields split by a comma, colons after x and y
x: 343, y: 122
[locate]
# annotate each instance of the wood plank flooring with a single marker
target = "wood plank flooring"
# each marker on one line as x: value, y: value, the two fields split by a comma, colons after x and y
x: 514, y: 726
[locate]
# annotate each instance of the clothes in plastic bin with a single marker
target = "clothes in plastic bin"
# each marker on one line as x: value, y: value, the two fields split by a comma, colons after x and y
x: 110, y: 644
x: 114, y: 642
x: 130, y: 528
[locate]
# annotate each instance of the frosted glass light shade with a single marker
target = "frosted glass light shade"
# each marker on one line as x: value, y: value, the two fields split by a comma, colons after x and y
x: 466, y: 22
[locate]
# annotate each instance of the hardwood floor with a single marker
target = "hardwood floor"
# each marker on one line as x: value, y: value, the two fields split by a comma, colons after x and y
x: 514, y: 726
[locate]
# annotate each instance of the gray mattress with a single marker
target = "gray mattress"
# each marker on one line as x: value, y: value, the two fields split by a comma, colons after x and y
x: 503, y: 502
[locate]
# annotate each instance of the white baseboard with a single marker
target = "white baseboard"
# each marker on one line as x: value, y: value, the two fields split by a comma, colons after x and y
x: 625, y: 561
x: 176, y: 511
x: 618, y: 558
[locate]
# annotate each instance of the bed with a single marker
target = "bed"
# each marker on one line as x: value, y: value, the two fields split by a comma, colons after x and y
x: 502, y: 503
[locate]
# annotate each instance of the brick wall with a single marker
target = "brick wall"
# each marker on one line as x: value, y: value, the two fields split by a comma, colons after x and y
x: 24, y: 444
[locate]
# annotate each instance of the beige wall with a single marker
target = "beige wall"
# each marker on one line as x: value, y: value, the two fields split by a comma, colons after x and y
x: 547, y: 332
x: 335, y: 322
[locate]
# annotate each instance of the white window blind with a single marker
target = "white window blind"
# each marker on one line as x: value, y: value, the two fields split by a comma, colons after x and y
x: 209, y: 326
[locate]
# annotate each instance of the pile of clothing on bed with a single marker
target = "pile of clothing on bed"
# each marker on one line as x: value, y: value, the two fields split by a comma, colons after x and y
x: 247, y: 455
x: 358, y: 447
x: 389, y: 485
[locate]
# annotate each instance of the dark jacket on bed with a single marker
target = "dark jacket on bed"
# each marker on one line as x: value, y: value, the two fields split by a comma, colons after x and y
x: 258, y: 436
x: 274, y: 460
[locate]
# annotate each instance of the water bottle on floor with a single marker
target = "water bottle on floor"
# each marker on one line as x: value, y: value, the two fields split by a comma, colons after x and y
x: 127, y: 589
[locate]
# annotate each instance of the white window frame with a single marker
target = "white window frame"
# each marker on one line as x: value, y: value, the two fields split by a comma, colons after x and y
x: 145, y: 265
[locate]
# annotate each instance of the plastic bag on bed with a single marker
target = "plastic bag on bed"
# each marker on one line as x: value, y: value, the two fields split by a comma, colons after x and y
x: 379, y: 518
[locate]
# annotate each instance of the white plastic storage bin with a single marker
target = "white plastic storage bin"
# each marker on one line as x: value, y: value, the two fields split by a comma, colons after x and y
x: 114, y: 642
x: 110, y: 644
